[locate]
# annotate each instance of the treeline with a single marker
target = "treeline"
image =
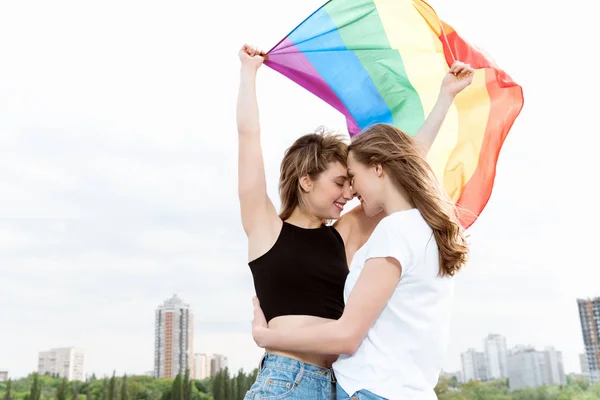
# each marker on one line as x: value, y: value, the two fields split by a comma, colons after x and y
x: 221, y: 386
x: 224, y: 386
x: 575, y: 389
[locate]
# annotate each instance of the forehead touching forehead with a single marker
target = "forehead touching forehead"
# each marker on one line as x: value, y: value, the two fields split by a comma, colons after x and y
x: 352, y: 163
x: 335, y: 170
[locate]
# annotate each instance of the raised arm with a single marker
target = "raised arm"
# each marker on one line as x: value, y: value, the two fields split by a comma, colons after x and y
x: 458, y: 77
x: 259, y: 217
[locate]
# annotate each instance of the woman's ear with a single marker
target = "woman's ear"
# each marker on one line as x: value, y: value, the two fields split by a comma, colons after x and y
x: 306, y: 183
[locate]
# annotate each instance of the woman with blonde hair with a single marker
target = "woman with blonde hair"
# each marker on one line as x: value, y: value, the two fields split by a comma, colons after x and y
x: 392, y: 334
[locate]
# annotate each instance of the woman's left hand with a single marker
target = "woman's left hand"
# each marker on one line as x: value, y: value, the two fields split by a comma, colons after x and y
x: 259, y: 323
x: 458, y: 78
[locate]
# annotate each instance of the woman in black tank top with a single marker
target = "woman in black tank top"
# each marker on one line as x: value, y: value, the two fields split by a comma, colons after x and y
x: 299, y: 263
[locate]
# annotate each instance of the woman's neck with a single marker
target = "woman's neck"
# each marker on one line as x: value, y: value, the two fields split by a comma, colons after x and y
x: 304, y: 220
x: 396, y: 199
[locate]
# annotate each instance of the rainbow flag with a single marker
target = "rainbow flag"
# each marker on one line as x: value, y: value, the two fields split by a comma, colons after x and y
x: 382, y: 61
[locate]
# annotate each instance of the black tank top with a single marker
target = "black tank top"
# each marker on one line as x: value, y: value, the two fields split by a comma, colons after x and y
x: 302, y: 274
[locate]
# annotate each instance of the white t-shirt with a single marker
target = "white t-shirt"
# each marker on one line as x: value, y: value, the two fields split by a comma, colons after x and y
x: 402, y: 355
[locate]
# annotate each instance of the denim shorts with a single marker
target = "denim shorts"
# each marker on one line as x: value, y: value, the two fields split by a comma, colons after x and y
x: 360, y: 395
x: 285, y: 378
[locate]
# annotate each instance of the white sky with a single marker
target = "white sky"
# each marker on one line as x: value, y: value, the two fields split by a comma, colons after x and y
x: 118, y: 175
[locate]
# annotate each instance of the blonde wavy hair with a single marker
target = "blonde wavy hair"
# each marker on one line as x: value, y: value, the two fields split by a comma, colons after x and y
x: 401, y: 159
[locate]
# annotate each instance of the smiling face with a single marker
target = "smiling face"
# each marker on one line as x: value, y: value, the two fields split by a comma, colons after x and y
x: 326, y: 194
x: 366, y: 182
x: 314, y: 180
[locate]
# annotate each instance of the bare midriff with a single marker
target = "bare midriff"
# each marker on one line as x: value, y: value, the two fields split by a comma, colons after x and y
x: 301, y: 321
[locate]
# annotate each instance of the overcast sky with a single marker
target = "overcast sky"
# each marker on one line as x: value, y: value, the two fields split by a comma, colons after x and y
x: 118, y: 176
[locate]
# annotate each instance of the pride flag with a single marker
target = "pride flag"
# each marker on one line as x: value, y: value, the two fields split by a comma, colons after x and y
x: 382, y: 61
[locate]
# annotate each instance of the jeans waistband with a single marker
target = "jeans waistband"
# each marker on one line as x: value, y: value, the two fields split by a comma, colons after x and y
x: 292, y: 365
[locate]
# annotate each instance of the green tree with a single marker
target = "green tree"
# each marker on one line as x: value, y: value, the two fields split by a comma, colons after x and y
x: 201, y: 386
x: 104, y: 389
x: 36, y: 388
x: 142, y: 390
x: 124, y: 388
x: 112, y: 387
x: 88, y: 390
x: 240, y: 385
x: 62, y: 390
x: 75, y: 391
x: 166, y: 394
x: 177, y: 389
x: 217, y: 387
x: 485, y: 391
x: 453, y: 396
x: 442, y: 386
x: 226, y: 385
x: 8, y: 387
x: 187, y: 385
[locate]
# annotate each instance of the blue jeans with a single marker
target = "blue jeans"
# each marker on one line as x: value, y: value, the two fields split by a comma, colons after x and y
x: 285, y: 378
x: 360, y: 395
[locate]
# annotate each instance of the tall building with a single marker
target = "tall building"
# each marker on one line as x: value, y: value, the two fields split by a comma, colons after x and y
x: 494, y: 348
x: 554, y: 371
x: 66, y: 362
x: 218, y: 363
x: 529, y: 368
x: 173, y: 339
x: 589, y: 315
x: 583, y: 363
x: 473, y: 366
x: 524, y: 368
x: 202, y: 364
x: 3, y: 376
x: 208, y: 365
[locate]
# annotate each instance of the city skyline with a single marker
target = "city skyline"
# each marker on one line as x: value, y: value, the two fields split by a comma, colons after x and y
x: 119, y: 162
x: 523, y: 365
x: 475, y: 365
x: 491, y: 363
x: 173, y: 335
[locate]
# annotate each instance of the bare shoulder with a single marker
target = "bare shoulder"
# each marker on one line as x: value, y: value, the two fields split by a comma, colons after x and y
x: 356, y: 223
x: 345, y: 224
x: 357, y: 227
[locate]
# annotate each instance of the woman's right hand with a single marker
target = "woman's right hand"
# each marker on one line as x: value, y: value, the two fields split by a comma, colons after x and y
x: 251, y: 56
x: 259, y: 324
